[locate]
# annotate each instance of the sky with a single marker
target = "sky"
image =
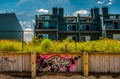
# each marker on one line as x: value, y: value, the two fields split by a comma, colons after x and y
x: 27, y: 9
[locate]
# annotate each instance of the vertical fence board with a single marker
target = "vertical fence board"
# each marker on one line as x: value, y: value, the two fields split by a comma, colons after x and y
x: 16, y: 63
x: 112, y: 63
x: 90, y: 63
x: 85, y: 61
x: 20, y: 63
x: 106, y: 63
x: 116, y: 64
x: 101, y: 65
x: 97, y: 63
x: 29, y: 60
x: 23, y: 62
x: 80, y: 64
x: 12, y: 63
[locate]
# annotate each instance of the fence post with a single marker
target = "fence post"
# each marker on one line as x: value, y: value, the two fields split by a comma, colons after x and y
x: 85, y: 63
x: 33, y: 65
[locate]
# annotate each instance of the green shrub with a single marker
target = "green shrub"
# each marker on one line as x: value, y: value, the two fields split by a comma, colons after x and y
x: 47, y: 45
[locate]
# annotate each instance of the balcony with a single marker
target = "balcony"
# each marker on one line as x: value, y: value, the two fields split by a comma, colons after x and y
x: 43, y: 18
x: 89, y: 31
x: 50, y: 28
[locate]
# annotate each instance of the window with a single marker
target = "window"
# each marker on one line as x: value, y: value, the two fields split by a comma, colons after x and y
x: 115, y: 25
x: 40, y: 25
x: 45, y: 24
x: 70, y: 20
x: 112, y: 17
x: 53, y: 25
x: 87, y: 27
x: 117, y: 17
x: 85, y: 38
x: 72, y: 38
x: 82, y: 27
x: 71, y: 27
x: 43, y: 36
x: 116, y: 36
x: 45, y: 17
x: 119, y: 25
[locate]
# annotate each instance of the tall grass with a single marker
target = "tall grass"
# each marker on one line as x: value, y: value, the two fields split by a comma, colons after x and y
x: 46, y: 45
x: 6, y: 45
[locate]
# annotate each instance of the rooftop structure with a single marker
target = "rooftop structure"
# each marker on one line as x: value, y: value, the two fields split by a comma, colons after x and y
x: 10, y: 27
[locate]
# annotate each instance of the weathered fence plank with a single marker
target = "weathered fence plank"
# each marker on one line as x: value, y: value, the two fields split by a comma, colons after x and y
x: 97, y: 62
x: 10, y: 62
x: 33, y: 65
x: 104, y: 63
x: 85, y: 65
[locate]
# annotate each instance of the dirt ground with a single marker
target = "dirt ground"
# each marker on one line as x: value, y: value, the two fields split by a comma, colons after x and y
x: 63, y: 77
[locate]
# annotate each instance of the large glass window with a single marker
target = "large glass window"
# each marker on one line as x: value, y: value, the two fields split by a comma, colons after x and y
x: 115, y: 25
x: 87, y: 27
x: 82, y: 27
x: 45, y: 24
x: 53, y: 25
x: 85, y: 38
x: 116, y: 36
x: 70, y: 20
x: 43, y: 36
x: 71, y: 27
x: 72, y: 38
x: 112, y: 17
x: 119, y: 25
x: 45, y: 17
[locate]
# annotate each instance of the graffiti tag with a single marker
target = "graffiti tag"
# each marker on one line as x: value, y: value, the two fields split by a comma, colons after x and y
x: 5, y: 63
x: 56, y: 63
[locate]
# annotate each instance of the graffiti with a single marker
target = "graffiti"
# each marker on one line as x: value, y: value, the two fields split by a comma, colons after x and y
x: 56, y: 63
x: 5, y: 63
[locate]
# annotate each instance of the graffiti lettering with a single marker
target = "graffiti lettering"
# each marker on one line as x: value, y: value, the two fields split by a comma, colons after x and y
x: 56, y: 63
x: 5, y: 63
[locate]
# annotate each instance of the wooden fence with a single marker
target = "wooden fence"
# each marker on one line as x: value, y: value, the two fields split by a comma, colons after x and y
x: 82, y: 63
x: 104, y: 63
x: 15, y: 62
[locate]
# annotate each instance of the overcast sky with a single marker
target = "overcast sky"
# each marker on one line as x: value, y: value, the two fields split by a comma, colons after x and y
x: 26, y: 9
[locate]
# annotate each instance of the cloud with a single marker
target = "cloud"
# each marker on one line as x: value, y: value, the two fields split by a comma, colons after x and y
x: 63, y: 0
x: 21, y: 2
x: 33, y: 21
x: 28, y: 34
x: 20, y: 13
x: 100, y: 2
x: 7, y: 10
x: 82, y: 12
x: 110, y: 2
x: 59, y: 1
x: 28, y: 29
x: 27, y: 24
x: 42, y: 10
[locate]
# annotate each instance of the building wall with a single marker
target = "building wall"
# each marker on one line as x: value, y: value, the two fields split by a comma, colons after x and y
x: 86, y: 27
x: 10, y: 27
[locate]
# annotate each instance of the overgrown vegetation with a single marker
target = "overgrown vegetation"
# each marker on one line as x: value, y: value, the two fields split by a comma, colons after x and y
x: 6, y: 45
x: 46, y: 45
